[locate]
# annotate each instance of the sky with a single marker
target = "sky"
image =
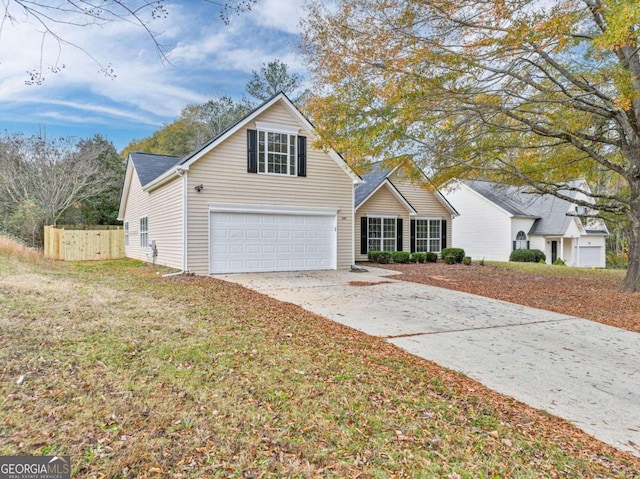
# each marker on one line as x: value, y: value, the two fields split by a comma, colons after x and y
x: 207, y: 59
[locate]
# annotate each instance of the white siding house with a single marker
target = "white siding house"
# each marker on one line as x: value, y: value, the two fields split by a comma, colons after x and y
x: 257, y: 197
x: 495, y: 219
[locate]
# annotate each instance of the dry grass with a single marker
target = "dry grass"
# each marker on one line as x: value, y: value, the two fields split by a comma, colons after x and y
x: 134, y: 375
x: 12, y: 248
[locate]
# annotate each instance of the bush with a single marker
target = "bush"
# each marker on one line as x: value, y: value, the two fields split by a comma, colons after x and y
x: 481, y: 262
x: 400, y: 256
x: 467, y: 260
x: 374, y: 256
x: 449, y: 259
x: 384, y: 257
x: 558, y: 262
x: 431, y: 257
x: 527, y: 256
x: 419, y: 257
x: 457, y: 253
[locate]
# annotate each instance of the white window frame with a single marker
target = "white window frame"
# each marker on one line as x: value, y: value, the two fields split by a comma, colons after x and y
x: 520, y: 242
x: 382, y: 238
x: 268, y: 154
x: 428, y: 238
x: 126, y: 233
x: 144, y: 232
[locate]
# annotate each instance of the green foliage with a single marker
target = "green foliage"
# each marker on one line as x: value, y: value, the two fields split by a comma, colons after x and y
x: 384, y: 257
x: 373, y: 255
x: 274, y: 77
x: 431, y: 257
x: 466, y: 260
x: 457, y: 253
x: 559, y: 262
x: 617, y: 260
x: 481, y: 262
x: 527, y: 256
x: 419, y: 257
x: 449, y: 259
x: 400, y: 256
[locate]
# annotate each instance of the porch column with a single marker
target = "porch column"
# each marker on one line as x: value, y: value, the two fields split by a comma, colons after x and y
x: 561, y: 248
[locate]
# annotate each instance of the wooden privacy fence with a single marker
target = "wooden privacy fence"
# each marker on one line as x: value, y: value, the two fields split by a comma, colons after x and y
x: 83, y: 243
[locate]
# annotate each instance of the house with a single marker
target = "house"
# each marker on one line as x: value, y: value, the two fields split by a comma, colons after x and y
x: 395, y: 212
x: 495, y: 219
x: 257, y: 197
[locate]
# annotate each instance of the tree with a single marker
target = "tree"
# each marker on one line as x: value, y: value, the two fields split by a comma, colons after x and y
x: 41, y: 179
x: 521, y: 91
x: 196, y: 125
x: 273, y: 78
x: 53, y: 17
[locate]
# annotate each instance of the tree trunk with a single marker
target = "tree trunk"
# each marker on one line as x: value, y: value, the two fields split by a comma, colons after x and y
x: 631, y: 283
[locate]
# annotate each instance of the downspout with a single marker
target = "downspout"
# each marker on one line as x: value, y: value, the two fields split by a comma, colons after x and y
x: 183, y: 174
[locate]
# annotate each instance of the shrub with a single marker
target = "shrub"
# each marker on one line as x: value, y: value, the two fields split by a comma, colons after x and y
x: 419, y: 257
x: 457, y: 253
x: 374, y: 256
x: 384, y: 257
x: 413, y: 258
x: 467, y: 260
x: 481, y: 262
x: 558, y: 262
x: 400, y: 256
x: 449, y: 259
x: 527, y: 256
x: 431, y: 257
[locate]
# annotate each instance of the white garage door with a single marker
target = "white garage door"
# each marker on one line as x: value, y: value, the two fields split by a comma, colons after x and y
x: 590, y: 256
x: 259, y: 242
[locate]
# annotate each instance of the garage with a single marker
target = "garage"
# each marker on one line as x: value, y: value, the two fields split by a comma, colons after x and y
x: 591, y: 256
x: 255, y: 239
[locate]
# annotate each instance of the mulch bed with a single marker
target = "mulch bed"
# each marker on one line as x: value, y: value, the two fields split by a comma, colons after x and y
x: 594, y: 297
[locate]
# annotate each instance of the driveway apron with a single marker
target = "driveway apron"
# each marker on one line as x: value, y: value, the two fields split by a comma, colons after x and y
x: 580, y: 370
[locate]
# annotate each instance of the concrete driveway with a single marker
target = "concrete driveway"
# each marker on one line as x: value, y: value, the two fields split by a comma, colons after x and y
x: 582, y: 371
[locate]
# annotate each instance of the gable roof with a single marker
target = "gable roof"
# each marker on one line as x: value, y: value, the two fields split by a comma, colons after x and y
x: 379, y: 175
x: 549, y: 212
x: 150, y: 166
x: 198, y: 153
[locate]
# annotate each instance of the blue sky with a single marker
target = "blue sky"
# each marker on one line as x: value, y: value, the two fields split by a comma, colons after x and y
x: 208, y: 59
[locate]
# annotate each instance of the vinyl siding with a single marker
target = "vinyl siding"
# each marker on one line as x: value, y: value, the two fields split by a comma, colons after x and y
x: 521, y: 224
x: 223, y: 172
x: 424, y: 202
x: 163, y: 208
x: 165, y: 223
x: 483, y: 230
x: 137, y: 207
x: 380, y: 203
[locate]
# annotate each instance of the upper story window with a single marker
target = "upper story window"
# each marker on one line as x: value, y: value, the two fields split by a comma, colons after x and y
x: 276, y: 150
x: 277, y: 153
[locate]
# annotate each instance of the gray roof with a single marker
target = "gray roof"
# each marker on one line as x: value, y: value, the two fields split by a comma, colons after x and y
x: 150, y: 166
x: 550, y: 212
x: 372, y: 180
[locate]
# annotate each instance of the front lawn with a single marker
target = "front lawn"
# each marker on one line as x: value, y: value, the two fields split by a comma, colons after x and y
x: 136, y: 375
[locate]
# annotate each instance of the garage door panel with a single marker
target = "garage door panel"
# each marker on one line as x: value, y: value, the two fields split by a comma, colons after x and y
x: 590, y: 256
x: 252, y: 242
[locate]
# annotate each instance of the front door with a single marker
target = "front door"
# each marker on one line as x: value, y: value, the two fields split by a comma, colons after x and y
x: 554, y: 251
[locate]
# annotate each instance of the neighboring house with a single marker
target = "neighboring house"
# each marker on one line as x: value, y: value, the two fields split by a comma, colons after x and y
x: 495, y: 219
x: 395, y: 213
x: 257, y: 197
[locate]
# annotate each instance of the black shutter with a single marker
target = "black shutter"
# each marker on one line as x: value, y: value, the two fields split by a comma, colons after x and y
x: 364, y: 226
x: 412, y: 228
x: 399, y: 234
x: 252, y: 151
x: 514, y: 246
x: 528, y: 244
x: 444, y: 234
x: 302, y: 156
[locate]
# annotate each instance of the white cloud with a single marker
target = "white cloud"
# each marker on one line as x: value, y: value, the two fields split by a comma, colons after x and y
x: 283, y: 15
